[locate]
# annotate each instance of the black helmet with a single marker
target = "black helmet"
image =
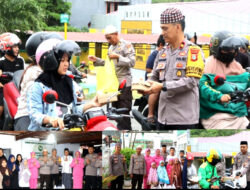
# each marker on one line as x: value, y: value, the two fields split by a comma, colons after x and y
x: 246, y: 42
x: 33, y: 42
x: 36, y: 39
x: 216, y: 41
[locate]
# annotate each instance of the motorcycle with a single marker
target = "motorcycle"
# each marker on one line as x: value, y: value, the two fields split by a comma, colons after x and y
x: 10, y: 103
x: 94, y: 119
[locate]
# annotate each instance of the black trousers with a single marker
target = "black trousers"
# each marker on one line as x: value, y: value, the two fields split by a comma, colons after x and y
x: 46, y: 179
x: 99, y: 182
x: 90, y: 182
x: 117, y: 183
x: 54, y: 180
x: 137, y: 179
x: 124, y: 101
x: 163, y: 127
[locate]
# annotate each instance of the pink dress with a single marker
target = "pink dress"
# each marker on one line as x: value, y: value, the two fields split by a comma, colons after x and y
x: 149, y: 160
x: 152, y: 176
x: 77, y: 172
x: 34, y: 171
x: 169, y: 170
x: 157, y: 159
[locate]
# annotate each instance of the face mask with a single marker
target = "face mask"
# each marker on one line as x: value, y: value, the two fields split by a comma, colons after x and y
x: 226, y: 58
x: 214, y: 162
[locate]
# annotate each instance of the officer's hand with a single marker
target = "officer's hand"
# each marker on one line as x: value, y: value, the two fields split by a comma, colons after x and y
x: 131, y: 176
x: 92, y: 58
x: 225, y: 98
x: 154, y: 88
x: 113, y: 56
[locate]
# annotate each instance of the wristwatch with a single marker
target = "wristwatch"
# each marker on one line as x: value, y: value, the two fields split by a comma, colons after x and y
x: 164, y: 87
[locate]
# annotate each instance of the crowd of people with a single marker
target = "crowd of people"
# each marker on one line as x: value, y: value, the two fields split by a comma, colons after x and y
x: 51, y: 171
x: 182, y: 90
x: 164, y: 170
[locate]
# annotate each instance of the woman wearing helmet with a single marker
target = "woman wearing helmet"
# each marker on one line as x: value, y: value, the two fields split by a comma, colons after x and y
x: 22, y: 119
x: 207, y: 171
x: 55, y: 63
x: 11, y: 61
x: 216, y: 112
x: 29, y: 76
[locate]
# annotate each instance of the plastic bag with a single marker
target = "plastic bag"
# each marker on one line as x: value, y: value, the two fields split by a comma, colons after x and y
x: 106, y: 77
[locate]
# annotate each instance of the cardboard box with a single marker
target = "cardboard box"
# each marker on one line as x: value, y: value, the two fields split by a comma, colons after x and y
x: 141, y: 86
x: 103, y: 98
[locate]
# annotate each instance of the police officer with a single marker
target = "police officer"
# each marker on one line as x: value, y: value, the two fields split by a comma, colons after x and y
x: 242, y: 159
x: 117, y: 167
x: 207, y: 171
x: 178, y: 68
x: 91, y: 170
x: 137, y: 168
x: 123, y: 55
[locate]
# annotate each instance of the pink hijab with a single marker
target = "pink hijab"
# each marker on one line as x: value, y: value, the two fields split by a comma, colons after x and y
x: 170, y: 167
x: 152, y: 176
x: 214, y: 66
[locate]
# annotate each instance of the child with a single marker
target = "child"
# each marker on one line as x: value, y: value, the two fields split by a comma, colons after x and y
x: 162, y: 174
x: 152, y: 176
x: 169, y: 167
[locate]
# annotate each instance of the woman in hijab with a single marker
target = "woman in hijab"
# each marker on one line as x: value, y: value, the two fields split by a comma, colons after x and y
x: 149, y: 160
x: 176, y: 175
x: 54, y: 62
x: 77, y: 164
x: 13, y: 168
x: 33, y: 167
x: 162, y: 174
x: 6, y: 173
x: 24, y: 174
x: 157, y: 158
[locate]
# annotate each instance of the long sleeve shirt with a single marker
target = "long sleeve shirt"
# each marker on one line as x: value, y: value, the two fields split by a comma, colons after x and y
x: 137, y: 165
x: 45, y: 165
x: 65, y: 162
x: 117, y: 165
x: 91, y: 169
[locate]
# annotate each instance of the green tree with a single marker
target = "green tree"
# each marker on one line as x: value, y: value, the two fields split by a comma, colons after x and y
x: 20, y: 15
x: 213, y: 133
x: 53, y: 9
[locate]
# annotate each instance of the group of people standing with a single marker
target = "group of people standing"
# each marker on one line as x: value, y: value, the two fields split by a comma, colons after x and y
x: 164, y: 170
x: 24, y: 173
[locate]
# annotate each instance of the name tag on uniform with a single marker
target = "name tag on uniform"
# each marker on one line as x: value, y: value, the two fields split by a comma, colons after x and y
x: 162, y: 59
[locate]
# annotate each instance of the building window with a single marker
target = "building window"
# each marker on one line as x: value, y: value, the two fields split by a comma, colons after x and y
x: 143, y: 14
x: 108, y: 7
x: 116, y: 6
x: 131, y: 13
x: 148, y: 14
x: 135, y: 13
x: 139, y: 13
x: 127, y: 14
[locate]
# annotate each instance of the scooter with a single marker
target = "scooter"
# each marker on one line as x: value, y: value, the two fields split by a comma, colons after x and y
x: 11, y: 94
x: 94, y: 119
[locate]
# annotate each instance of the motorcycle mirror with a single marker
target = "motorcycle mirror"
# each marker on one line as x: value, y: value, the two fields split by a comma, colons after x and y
x: 219, y: 79
x: 50, y: 96
x: 123, y: 84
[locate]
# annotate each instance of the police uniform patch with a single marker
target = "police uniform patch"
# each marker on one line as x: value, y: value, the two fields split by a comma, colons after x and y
x: 179, y: 65
x: 178, y: 73
x: 182, y: 53
x: 163, y: 55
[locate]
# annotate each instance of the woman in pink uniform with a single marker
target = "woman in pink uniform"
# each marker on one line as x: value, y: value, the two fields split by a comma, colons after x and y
x: 77, y: 164
x: 149, y: 160
x: 33, y: 166
x: 157, y: 158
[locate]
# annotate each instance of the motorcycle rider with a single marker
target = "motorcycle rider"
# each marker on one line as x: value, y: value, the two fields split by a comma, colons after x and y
x: 216, y: 112
x: 10, y: 62
x: 176, y: 74
x: 29, y: 76
x: 207, y: 171
x: 54, y: 62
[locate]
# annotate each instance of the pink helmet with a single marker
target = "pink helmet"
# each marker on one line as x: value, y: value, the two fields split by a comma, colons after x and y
x: 45, y: 47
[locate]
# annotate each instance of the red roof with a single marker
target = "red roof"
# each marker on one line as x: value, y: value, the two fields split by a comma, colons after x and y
x: 204, y: 154
x: 133, y: 38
